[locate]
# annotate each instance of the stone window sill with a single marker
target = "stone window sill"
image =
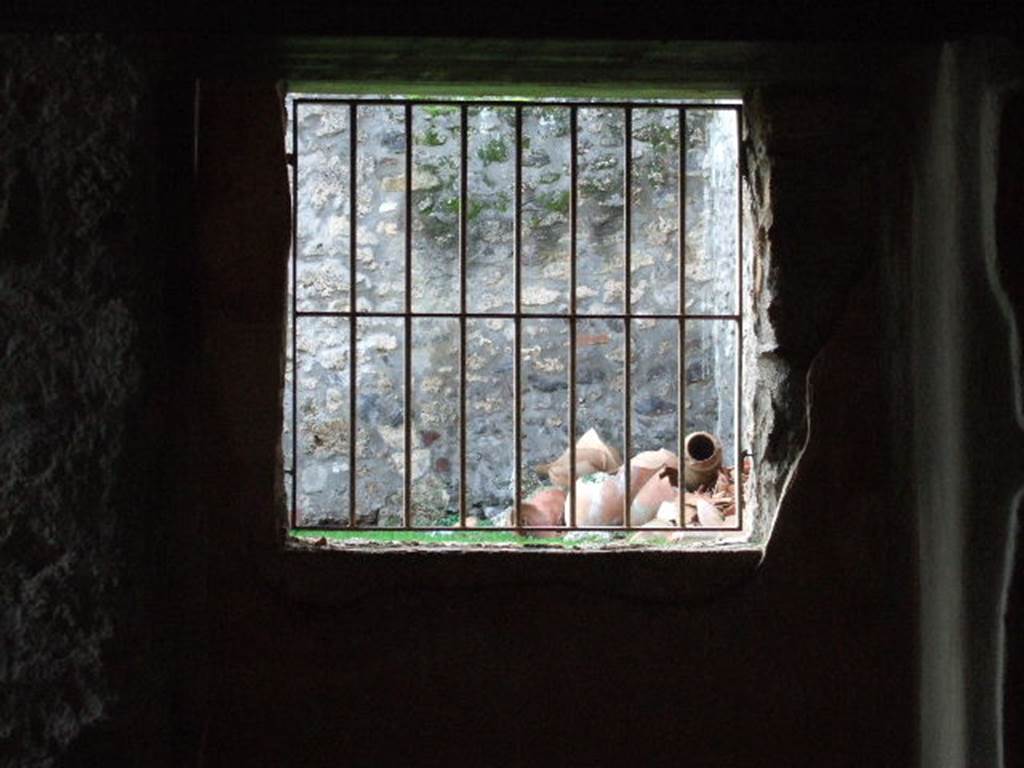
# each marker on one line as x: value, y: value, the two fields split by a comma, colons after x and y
x: 308, y: 573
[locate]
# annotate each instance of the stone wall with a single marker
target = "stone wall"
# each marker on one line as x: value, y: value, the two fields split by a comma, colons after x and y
x: 324, y: 285
x: 79, y: 490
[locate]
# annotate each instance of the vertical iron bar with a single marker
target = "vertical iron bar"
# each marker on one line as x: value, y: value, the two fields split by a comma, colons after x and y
x: 407, y: 350
x: 573, y: 173
x: 681, y: 356
x: 353, y: 407
x: 463, y: 245
x: 738, y: 479
x: 518, y: 343
x: 294, y: 309
x: 628, y: 306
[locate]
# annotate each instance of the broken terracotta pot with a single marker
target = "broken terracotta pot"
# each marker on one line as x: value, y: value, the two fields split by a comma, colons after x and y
x: 598, y: 499
x: 708, y: 514
x: 545, y: 507
x: 668, y: 513
x: 660, y: 485
x: 666, y: 516
x: 702, y: 458
x: 592, y: 455
x: 599, y: 496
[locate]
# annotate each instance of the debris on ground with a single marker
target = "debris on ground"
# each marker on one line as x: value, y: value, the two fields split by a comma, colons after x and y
x: 592, y: 455
x: 654, y: 489
x: 543, y: 508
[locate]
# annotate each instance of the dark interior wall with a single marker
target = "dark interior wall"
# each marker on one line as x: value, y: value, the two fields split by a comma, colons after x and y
x: 966, y: 405
x: 1010, y: 249
x: 102, y: 565
x: 148, y: 617
x: 82, y: 522
x: 495, y: 658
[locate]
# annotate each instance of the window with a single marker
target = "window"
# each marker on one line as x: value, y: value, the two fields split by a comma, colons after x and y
x: 474, y: 280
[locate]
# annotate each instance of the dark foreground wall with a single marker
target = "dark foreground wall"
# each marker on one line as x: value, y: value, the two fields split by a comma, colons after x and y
x: 149, y: 617
x: 967, y: 404
x: 604, y: 659
x: 82, y: 520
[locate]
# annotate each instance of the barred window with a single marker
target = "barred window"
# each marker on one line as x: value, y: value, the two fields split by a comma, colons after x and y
x: 473, y: 281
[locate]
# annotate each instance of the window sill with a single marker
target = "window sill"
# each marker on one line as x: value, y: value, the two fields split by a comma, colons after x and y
x: 336, y: 575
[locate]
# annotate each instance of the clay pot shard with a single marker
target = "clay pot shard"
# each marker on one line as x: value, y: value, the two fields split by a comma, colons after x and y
x: 702, y: 458
x: 667, y: 516
x: 543, y: 508
x: 668, y: 512
x: 598, y: 499
x: 592, y: 455
x: 654, y: 479
x: 708, y: 514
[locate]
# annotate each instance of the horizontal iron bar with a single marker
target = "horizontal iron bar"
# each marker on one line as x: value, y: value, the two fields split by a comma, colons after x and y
x: 508, y: 529
x: 474, y: 102
x: 513, y: 316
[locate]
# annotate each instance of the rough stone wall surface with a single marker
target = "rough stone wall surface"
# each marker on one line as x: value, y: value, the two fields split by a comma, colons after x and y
x: 323, y: 242
x: 807, y: 250
x: 70, y: 381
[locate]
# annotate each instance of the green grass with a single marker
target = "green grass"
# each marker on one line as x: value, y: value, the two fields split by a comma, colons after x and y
x: 427, y: 538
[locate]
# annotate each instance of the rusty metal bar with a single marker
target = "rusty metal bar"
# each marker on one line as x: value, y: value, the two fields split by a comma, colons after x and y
x: 295, y: 319
x: 515, y: 102
x: 510, y: 529
x: 573, y: 212
x: 530, y: 315
x: 353, y: 415
x: 681, y: 353
x: 407, y: 350
x: 738, y: 435
x: 517, y: 372
x: 627, y: 299
x: 463, y: 245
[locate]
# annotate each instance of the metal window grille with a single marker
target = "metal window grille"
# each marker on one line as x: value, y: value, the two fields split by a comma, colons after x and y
x: 518, y: 316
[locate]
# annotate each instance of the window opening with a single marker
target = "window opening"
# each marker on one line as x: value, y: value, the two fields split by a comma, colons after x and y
x: 429, y: 238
